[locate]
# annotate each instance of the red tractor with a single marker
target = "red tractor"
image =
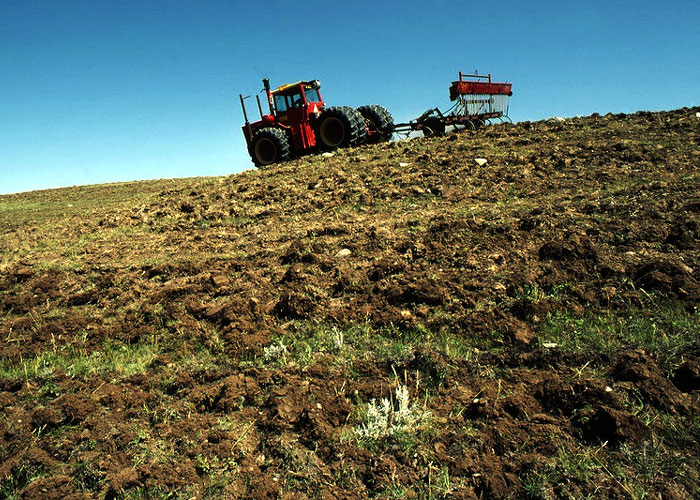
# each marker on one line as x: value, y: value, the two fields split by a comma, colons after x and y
x: 299, y: 122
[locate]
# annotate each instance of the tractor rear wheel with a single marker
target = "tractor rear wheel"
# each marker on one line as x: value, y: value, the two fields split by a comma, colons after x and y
x: 339, y: 127
x: 378, y: 121
x: 270, y: 145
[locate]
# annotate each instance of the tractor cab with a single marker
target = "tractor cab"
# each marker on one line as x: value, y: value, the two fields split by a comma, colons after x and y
x: 296, y: 105
x: 296, y: 96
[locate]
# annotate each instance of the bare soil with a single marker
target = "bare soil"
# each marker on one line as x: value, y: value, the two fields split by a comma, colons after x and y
x: 222, y: 338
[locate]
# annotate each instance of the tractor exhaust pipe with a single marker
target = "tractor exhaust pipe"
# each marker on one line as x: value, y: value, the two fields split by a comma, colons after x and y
x: 266, y: 84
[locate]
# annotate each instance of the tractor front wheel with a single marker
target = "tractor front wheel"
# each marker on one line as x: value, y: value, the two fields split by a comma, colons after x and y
x: 269, y: 145
x: 339, y: 127
x: 378, y: 121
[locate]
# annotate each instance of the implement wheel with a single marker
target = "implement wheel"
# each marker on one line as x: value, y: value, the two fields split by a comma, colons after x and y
x: 379, y: 123
x: 339, y: 127
x: 433, y: 126
x: 269, y: 145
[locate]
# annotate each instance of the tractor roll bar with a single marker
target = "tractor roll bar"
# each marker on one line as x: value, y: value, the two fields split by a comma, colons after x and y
x: 246, y: 126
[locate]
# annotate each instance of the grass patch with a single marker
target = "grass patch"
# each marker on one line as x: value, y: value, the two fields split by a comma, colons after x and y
x: 652, y: 461
x: 87, y: 478
x: 152, y: 450
x: 666, y: 330
x: 151, y: 493
x: 114, y: 358
x: 18, y: 479
x: 304, y: 341
x: 563, y: 475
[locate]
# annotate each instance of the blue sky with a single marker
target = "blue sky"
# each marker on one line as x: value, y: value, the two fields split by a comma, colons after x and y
x: 106, y: 91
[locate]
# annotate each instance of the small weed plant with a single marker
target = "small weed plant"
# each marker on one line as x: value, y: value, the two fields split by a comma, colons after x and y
x: 392, y: 416
x: 276, y: 352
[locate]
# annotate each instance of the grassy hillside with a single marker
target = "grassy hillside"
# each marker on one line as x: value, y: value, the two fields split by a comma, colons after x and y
x: 394, y: 321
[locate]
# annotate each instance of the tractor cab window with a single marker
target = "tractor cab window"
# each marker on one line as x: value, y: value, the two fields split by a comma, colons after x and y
x: 296, y: 100
x: 281, y: 103
x: 285, y: 102
x: 312, y: 95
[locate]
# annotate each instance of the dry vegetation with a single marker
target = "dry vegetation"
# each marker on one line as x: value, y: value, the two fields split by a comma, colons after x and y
x: 349, y: 327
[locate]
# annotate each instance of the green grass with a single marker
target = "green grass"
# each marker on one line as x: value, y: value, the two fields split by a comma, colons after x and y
x: 87, y: 478
x: 304, y: 341
x: 561, y: 477
x: 19, y: 477
x: 437, y: 485
x: 115, y: 358
x: 150, y: 449
x: 636, y: 468
x: 149, y: 493
x: 665, y: 329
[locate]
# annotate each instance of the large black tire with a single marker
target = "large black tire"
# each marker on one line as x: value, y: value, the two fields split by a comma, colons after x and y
x: 379, y: 123
x: 433, y: 126
x: 270, y: 145
x: 339, y: 127
x: 359, y: 123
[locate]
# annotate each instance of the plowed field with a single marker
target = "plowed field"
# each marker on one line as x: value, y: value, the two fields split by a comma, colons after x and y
x: 394, y: 321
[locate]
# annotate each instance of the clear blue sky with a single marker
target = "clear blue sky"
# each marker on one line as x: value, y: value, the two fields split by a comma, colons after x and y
x: 95, y: 91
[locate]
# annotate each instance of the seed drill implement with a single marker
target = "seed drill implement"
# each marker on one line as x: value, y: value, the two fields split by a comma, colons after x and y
x: 477, y: 101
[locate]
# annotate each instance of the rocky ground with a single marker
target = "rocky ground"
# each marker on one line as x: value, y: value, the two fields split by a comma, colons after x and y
x: 394, y: 321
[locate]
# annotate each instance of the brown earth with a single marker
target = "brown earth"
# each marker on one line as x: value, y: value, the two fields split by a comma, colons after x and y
x: 222, y: 338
